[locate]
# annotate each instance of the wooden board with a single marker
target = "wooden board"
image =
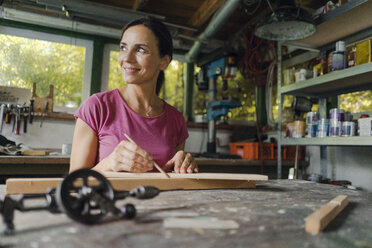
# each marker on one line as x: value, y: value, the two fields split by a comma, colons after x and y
x: 40, y: 185
x: 211, y: 176
x: 318, y: 220
x: 35, y: 152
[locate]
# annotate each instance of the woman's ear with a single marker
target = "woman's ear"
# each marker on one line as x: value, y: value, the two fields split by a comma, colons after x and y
x: 164, y: 62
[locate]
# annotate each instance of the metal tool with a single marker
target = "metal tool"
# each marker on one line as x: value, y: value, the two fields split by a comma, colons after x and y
x: 2, y: 108
x: 85, y: 196
x: 31, y: 110
x: 44, y: 113
x: 25, y: 111
x: 17, y: 119
x: 8, y: 113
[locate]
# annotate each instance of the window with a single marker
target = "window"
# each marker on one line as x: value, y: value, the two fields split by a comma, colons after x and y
x: 172, y: 90
x: 29, y: 57
x: 115, y: 78
x: 356, y: 102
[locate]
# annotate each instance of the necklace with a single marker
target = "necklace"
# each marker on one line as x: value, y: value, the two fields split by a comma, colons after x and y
x: 149, y: 111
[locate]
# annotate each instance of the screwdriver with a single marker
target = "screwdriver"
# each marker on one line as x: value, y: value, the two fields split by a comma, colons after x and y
x: 25, y: 118
x: 17, y: 119
x: 31, y: 110
x: 2, y: 117
x: 8, y: 113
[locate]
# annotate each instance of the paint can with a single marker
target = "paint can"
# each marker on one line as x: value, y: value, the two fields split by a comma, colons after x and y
x: 336, y: 114
x: 311, y: 130
x: 348, y: 128
x: 289, y: 130
x: 311, y: 124
x: 298, y: 129
x: 334, y: 128
x: 348, y: 116
x: 312, y: 117
x: 323, y: 128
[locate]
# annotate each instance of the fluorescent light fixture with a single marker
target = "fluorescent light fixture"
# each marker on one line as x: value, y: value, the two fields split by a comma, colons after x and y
x: 54, y: 22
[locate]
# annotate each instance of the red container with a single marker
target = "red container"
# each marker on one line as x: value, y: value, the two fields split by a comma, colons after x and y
x: 253, y: 150
x: 290, y: 153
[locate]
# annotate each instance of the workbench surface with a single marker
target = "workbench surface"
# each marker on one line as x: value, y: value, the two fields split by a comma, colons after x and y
x: 272, y: 215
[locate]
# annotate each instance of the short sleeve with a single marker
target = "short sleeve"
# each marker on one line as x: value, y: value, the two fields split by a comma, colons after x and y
x: 89, y: 112
x: 184, y: 133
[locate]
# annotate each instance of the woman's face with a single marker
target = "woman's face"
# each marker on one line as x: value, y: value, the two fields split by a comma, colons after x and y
x: 139, y: 57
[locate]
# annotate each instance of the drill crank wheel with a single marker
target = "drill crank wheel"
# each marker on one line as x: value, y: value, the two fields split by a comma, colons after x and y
x: 74, y: 195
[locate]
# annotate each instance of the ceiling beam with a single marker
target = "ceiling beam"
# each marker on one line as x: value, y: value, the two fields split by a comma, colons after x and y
x: 204, y: 12
x: 139, y: 4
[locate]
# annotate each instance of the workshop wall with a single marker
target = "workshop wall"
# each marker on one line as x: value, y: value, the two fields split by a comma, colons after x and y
x: 198, y: 138
x: 51, y: 135
x: 344, y: 163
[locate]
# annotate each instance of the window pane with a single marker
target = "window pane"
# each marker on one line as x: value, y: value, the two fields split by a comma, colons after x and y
x: 356, y: 102
x: 115, y: 79
x: 25, y: 61
x: 172, y: 90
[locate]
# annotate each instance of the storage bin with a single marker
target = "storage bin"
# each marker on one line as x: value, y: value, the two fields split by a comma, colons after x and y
x: 252, y: 150
x: 289, y: 152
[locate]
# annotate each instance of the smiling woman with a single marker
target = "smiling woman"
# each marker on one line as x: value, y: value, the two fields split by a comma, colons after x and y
x: 134, y: 109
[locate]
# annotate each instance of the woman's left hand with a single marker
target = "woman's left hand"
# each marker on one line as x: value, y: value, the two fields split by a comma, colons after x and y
x: 182, y: 162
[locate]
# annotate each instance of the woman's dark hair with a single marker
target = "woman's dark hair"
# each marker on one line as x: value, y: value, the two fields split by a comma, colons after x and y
x: 165, y: 43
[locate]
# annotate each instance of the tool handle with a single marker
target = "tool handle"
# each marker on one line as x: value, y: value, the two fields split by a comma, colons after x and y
x: 144, y: 192
x: 2, y: 117
x: 31, y: 110
x: 18, y: 126
x: 25, y: 119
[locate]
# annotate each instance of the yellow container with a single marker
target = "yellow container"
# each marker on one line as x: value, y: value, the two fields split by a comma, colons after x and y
x: 363, y: 52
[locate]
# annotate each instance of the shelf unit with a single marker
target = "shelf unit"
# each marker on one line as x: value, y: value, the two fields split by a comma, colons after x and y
x: 334, y: 83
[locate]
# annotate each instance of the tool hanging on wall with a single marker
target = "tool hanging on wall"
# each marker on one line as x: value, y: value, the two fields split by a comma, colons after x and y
x: 25, y: 111
x: 31, y: 110
x: 2, y: 109
x: 85, y: 196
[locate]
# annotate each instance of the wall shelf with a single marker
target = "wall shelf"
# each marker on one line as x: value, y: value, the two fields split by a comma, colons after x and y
x: 330, y: 141
x: 337, y: 82
x: 351, y: 19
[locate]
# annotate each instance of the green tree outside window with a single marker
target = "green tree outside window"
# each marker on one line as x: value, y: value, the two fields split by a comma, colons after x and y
x: 25, y: 61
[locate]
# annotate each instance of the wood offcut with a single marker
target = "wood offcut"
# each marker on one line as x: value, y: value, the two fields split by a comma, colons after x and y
x: 319, y: 220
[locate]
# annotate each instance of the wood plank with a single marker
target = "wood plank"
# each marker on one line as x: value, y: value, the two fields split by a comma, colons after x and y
x: 35, y: 152
x: 139, y: 4
x: 318, y: 220
x: 202, y: 14
x: 349, y: 23
x: 211, y: 176
x: 40, y: 185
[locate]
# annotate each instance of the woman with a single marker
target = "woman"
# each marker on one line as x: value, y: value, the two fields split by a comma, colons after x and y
x: 157, y: 128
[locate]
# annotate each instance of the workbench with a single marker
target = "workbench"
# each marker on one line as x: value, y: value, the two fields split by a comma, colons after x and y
x: 271, y: 215
x: 11, y: 166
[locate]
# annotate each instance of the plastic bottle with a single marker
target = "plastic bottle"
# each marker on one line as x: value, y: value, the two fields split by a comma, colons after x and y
x: 339, y: 57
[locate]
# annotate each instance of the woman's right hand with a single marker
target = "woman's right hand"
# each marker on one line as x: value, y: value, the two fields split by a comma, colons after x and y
x: 127, y: 157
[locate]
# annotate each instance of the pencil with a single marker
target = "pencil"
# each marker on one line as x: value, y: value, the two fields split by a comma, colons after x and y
x: 156, y: 165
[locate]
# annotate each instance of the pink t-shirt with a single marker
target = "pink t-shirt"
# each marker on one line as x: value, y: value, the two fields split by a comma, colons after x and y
x: 109, y: 117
